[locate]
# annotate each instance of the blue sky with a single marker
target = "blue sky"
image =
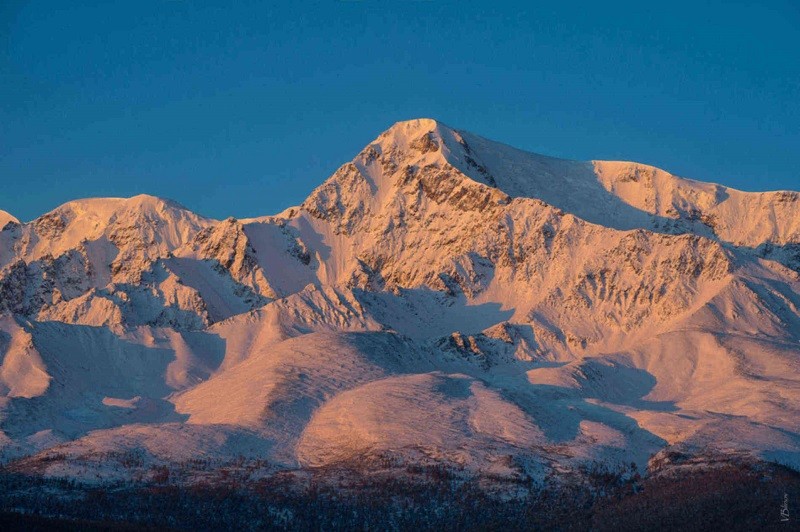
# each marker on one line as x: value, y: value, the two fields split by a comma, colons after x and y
x: 243, y: 110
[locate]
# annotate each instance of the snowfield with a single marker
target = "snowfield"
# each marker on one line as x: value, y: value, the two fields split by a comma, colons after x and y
x: 440, y: 298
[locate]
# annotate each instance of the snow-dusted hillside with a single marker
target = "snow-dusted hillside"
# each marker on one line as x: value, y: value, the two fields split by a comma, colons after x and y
x: 440, y: 297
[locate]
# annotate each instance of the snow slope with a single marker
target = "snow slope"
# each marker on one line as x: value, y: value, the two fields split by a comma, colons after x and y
x: 5, y: 218
x: 440, y: 297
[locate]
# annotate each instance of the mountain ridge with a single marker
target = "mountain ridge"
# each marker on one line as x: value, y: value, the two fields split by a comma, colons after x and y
x: 428, y: 125
x: 611, y: 310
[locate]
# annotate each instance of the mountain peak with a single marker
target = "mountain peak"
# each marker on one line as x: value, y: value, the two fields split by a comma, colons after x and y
x: 142, y: 225
x: 428, y: 142
x: 425, y: 155
x: 147, y: 200
x: 106, y: 207
x: 421, y: 134
x: 418, y: 125
x: 411, y: 160
x: 5, y: 218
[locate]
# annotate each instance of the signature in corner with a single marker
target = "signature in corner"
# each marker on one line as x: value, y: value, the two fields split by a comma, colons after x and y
x: 785, y: 508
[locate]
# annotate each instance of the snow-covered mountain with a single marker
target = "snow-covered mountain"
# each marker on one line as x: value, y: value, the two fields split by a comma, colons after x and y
x: 440, y: 297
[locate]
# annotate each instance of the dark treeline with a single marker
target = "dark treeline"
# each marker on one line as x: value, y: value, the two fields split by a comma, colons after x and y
x: 728, y: 497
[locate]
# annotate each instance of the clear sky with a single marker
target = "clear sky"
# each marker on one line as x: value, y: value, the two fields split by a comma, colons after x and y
x: 241, y: 109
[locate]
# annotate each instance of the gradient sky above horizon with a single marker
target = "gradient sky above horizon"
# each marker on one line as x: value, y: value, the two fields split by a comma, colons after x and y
x: 241, y: 110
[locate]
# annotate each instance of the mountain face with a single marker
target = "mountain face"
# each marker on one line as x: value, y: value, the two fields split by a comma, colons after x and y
x: 441, y: 297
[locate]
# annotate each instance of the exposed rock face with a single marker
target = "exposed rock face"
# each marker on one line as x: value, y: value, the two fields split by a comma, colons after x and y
x: 228, y: 245
x: 440, y: 296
